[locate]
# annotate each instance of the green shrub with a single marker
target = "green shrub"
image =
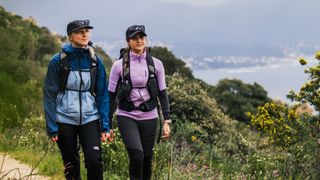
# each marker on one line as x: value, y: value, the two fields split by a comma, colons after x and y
x: 296, y: 133
x: 190, y: 103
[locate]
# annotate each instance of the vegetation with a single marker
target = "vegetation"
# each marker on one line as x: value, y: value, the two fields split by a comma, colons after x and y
x: 295, y: 132
x: 236, y: 98
x: 282, y: 141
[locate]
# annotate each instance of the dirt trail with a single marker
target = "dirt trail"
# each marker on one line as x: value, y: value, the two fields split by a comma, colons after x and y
x: 14, y: 170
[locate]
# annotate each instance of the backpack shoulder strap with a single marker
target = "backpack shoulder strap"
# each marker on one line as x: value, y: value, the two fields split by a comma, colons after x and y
x: 126, y: 67
x: 152, y: 84
x: 151, y: 68
x: 92, y: 53
x: 63, y: 71
x: 93, y: 69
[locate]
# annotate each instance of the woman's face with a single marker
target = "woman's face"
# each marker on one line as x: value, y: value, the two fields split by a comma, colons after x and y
x: 80, y: 38
x: 137, y: 43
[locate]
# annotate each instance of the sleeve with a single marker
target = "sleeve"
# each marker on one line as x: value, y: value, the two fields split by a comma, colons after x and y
x: 50, y: 91
x: 165, y: 106
x: 113, y: 84
x: 115, y: 74
x: 112, y: 107
x: 102, y: 97
x: 163, y: 96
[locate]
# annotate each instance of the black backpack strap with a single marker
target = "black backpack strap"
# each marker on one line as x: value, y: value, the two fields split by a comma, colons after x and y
x: 151, y: 68
x: 63, y: 71
x: 122, y: 51
x: 125, y: 85
x: 93, y: 69
x: 152, y: 79
x: 126, y: 67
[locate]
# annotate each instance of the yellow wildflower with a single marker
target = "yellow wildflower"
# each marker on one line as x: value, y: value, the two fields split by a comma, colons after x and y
x: 317, y: 55
x: 302, y: 61
x: 193, y: 138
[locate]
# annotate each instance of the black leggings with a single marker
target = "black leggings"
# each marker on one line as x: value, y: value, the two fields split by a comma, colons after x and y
x: 139, y: 139
x: 89, y: 137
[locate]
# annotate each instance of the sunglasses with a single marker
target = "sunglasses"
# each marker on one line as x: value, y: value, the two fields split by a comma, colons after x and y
x: 137, y: 28
x: 82, y: 22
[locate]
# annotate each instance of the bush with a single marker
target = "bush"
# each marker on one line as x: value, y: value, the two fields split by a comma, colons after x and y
x: 190, y: 103
x: 295, y: 132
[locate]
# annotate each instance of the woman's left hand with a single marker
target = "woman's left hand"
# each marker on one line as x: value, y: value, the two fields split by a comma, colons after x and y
x: 166, y: 130
x: 104, y: 136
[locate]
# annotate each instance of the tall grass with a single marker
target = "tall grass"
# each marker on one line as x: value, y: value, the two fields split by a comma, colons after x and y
x: 186, y: 155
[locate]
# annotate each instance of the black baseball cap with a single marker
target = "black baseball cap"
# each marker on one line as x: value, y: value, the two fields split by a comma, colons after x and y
x: 78, y: 24
x: 135, y: 29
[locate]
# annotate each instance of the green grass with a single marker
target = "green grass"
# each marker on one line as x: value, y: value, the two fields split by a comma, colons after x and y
x: 187, y: 155
x: 48, y: 163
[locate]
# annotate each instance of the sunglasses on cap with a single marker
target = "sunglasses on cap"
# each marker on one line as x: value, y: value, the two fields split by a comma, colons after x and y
x: 137, y: 28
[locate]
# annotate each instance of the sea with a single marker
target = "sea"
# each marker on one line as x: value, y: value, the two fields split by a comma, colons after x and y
x: 277, y: 79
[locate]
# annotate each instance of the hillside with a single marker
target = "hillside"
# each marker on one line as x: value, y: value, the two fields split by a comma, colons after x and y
x: 277, y: 142
x: 24, y: 54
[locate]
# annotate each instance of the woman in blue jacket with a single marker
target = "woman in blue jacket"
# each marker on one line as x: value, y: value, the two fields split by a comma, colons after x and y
x: 76, y: 102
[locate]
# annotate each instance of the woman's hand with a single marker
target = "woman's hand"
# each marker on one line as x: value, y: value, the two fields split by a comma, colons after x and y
x: 107, y: 136
x: 111, y: 137
x: 166, y: 130
x: 54, y: 138
x: 104, y: 136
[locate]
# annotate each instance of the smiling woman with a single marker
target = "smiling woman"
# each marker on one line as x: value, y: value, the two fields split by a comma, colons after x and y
x: 137, y: 81
x: 76, y: 102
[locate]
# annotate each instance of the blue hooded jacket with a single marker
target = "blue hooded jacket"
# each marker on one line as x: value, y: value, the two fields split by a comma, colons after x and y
x: 76, y: 105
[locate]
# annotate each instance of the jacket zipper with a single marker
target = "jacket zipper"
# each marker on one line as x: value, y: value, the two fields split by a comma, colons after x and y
x: 80, y: 97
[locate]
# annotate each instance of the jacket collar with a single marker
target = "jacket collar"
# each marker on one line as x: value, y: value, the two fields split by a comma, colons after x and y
x: 69, y: 49
x: 134, y: 56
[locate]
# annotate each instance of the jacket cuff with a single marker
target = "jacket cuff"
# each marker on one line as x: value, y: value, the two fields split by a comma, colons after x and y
x: 166, y: 115
x: 53, y: 134
x: 105, y: 130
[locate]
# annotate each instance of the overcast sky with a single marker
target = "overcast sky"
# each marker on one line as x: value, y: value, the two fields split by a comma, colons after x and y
x: 239, y: 22
x: 201, y: 31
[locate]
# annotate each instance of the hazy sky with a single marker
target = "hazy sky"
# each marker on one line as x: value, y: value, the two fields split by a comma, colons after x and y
x: 273, y: 33
x: 239, y: 22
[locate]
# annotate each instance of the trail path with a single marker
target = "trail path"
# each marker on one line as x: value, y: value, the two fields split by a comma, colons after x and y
x: 11, y: 169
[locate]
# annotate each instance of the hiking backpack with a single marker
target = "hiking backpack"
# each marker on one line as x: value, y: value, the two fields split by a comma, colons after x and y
x: 64, y: 70
x: 124, y: 86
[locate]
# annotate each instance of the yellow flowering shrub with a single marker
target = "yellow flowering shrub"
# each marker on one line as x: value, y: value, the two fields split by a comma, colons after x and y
x: 310, y: 91
x: 295, y: 129
x: 276, y: 120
